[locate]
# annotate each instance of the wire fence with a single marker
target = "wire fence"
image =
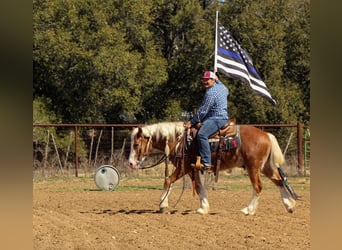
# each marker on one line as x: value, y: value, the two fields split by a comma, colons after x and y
x: 79, y: 149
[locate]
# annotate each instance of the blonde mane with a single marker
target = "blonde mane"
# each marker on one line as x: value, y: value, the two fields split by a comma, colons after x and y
x: 163, y: 131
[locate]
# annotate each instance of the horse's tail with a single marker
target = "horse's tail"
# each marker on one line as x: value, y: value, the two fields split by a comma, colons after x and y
x: 276, y: 155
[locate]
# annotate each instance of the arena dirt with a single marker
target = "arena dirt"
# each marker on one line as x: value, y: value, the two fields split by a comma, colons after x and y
x: 72, y: 213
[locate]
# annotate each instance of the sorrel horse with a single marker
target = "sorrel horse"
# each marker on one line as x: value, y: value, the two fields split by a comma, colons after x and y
x: 258, y: 152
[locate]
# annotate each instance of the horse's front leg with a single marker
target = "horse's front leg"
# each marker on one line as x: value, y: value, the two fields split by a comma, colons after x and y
x: 164, y: 198
x: 166, y: 172
x: 200, y: 190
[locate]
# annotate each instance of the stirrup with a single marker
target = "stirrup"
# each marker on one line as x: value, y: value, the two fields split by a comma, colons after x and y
x: 206, y: 167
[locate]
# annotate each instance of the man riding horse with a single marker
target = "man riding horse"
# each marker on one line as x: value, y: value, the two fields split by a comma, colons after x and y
x: 256, y: 151
x: 211, y: 115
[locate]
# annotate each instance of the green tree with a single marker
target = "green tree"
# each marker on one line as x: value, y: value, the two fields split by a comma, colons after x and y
x: 261, y: 27
x: 42, y: 115
x: 186, y: 40
x: 94, y: 59
x: 298, y: 53
x: 140, y: 61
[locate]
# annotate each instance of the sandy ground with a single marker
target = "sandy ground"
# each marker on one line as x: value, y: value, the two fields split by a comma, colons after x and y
x: 72, y: 213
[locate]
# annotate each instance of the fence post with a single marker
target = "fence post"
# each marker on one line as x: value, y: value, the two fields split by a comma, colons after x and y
x: 76, y: 151
x: 306, y: 150
x: 299, y: 147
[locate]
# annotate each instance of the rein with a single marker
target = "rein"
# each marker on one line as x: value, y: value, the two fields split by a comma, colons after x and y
x: 164, y: 155
x: 155, y: 164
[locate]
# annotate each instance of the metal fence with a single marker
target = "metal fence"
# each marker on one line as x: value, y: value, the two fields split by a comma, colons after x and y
x: 75, y: 148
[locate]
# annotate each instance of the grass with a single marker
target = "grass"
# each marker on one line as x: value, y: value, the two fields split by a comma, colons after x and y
x: 130, y: 184
x: 137, y: 188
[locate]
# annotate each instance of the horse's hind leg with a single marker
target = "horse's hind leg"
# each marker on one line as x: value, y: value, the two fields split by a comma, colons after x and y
x: 254, y: 176
x: 274, y: 176
x: 200, y: 190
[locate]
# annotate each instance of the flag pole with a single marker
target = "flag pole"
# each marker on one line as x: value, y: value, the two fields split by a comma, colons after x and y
x: 216, y: 25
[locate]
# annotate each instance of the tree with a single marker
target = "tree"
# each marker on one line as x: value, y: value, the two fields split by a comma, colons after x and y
x: 140, y: 61
x: 94, y: 59
x: 261, y: 28
x: 298, y: 53
x: 42, y: 115
x: 186, y: 40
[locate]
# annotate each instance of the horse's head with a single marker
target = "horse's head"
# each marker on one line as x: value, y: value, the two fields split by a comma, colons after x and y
x: 141, y: 146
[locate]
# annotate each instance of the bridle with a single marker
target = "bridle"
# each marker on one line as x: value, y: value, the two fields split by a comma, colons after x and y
x: 146, y: 151
x: 139, y: 146
x: 140, y: 155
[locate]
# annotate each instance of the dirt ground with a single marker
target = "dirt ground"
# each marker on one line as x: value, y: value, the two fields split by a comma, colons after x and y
x: 72, y: 213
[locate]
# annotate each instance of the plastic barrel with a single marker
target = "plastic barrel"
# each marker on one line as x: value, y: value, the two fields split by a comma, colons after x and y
x: 107, y: 177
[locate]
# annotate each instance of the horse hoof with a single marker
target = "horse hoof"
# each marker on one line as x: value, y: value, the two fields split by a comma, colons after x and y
x: 246, y: 211
x: 163, y: 210
x: 290, y: 205
x: 202, y: 211
x: 290, y: 210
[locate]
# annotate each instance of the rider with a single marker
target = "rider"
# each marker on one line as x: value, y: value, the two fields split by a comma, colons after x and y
x: 211, y: 115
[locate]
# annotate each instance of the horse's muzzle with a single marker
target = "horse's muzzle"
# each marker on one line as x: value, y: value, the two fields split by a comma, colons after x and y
x: 134, y: 165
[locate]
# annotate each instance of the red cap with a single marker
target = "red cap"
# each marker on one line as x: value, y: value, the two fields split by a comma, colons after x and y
x: 208, y: 74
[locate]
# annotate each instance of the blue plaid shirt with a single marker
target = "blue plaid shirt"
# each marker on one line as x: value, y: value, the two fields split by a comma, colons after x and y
x: 214, y: 104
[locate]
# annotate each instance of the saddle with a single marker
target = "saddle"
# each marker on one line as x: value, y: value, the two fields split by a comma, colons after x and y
x: 228, y: 130
x: 220, y: 140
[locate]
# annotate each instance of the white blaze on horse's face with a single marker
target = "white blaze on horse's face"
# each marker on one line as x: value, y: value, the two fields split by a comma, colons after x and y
x: 132, y: 159
x: 133, y: 155
x: 140, y: 148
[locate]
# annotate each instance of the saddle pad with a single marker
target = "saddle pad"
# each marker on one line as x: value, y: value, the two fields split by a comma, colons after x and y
x: 229, y: 143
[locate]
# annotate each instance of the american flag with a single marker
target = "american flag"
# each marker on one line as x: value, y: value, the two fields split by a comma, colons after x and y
x: 234, y: 62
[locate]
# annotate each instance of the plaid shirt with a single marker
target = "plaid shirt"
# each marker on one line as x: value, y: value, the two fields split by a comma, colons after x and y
x: 214, y: 104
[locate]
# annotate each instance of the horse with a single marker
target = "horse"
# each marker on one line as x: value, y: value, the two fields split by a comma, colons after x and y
x: 258, y: 152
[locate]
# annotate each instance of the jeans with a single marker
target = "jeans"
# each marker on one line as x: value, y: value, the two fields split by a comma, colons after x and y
x: 208, y: 127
